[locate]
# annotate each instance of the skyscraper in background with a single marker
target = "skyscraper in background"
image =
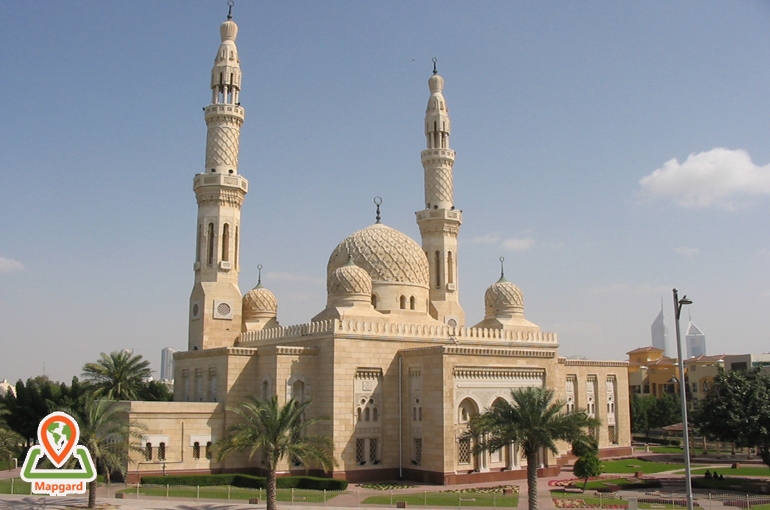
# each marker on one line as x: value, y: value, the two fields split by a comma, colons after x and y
x: 696, y: 341
x: 167, y: 364
x: 659, y: 332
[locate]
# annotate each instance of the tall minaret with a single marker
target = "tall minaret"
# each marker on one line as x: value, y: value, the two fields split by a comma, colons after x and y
x: 215, y: 302
x: 440, y: 221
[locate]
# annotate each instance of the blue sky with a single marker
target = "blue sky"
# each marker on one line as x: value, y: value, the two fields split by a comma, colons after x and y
x: 610, y: 151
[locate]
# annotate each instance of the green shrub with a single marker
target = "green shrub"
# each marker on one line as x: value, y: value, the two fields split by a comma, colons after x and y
x: 311, y: 482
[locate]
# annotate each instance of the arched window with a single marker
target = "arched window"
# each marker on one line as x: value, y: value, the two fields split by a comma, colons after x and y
x: 412, y: 303
x: 265, y: 389
x: 366, y: 414
x: 358, y: 414
x: 198, y: 245
x: 162, y: 451
x: 438, y: 269
x: 235, y: 258
x: 374, y: 300
x: 375, y: 414
x: 148, y: 451
x: 298, y: 391
x: 208, y: 450
x: 196, y: 450
x: 226, y: 242
x: 402, y: 302
x: 210, y: 250
x: 450, y: 268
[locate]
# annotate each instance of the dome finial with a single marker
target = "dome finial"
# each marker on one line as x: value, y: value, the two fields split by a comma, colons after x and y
x: 502, y: 270
x: 434, y: 65
x: 378, y: 203
x: 230, y: 4
x: 259, y: 268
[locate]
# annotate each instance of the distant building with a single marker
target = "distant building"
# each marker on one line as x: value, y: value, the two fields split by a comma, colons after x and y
x: 167, y: 364
x: 6, y: 387
x: 747, y: 361
x: 696, y: 341
x: 659, y: 333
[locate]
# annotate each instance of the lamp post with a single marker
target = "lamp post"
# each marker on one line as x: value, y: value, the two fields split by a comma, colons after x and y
x: 678, y: 303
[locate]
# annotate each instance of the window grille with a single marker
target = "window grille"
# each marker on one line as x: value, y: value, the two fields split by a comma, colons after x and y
x: 418, y: 450
x: 360, y: 453
x: 464, y: 451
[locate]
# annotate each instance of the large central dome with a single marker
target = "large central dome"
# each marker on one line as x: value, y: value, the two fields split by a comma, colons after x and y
x: 385, y: 253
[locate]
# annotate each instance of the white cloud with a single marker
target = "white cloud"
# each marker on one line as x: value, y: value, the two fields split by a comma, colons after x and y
x: 624, y: 288
x: 519, y: 244
x: 487, y: 239
x: 10, y: 266
x: 720, y: 178
x: 687, y: 251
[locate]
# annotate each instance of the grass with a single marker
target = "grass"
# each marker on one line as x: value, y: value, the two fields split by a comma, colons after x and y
x: 236, y: 493
x: 446, y: 499
x: 741, y: 471
x: 621, y: 482
x: 634, y: 465
x: 19, y: 486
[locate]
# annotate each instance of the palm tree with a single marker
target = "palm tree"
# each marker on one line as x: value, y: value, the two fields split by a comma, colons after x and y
x: 278, y: 432
x: 108, y: 436
x: 118, y: 376
x: 534, y: 421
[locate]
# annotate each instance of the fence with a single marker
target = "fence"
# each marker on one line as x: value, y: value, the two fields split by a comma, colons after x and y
x: 440, y: 497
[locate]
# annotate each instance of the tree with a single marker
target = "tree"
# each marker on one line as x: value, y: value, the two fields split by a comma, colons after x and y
x: 535, y: 421
x: 666, y: 411
x: 277, y: 432
x: 639, y: 418
x: 155, y: 391
x: 119, y: 375
x: 588, y: 464
x: 108, y: 436
x: 10, y: 445
x: 736, y: 409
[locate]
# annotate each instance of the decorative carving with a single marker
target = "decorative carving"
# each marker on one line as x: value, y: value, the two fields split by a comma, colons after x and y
x: 385, y: 253
x: 491, y: 373
x: 349, y: 279
x: 368, y: 373
x: 438, y: 183
x: 222, y: 143
x: 503, y: 296
x: 257, y: 302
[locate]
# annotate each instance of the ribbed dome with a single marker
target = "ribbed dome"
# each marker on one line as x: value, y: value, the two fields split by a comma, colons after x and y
x: 259, y: 302
x: 349, y: 279
x: 228, y: 30
x: 385, y: 253
x: 503, y: 296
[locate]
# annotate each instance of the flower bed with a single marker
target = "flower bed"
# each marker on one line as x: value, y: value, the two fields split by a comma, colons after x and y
x: 386, y: 486
x: 486, y: 490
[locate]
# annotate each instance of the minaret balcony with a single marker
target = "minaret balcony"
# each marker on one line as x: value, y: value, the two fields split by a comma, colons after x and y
x: 221, y: 180
x: 213, y: 111
x: 448, y: 215
x: 430, y: 154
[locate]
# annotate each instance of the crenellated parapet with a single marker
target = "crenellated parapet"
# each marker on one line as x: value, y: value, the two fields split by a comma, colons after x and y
x: 400, y: 331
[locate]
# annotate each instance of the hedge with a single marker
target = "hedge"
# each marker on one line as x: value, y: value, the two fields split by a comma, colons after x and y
x: 248, y: 481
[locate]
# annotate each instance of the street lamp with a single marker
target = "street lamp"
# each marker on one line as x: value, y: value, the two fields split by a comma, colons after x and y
x: 678, y: 303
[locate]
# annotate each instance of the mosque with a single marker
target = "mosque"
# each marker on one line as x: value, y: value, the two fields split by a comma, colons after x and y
x: 390, y: 360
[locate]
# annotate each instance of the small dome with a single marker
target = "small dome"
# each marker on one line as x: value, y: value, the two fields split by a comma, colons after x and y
x: 349, y: 279
x: 228, y: 30
x: 505, y: 297
x: 436, y: 83
x: 259, y: 302
x: 385, y: 253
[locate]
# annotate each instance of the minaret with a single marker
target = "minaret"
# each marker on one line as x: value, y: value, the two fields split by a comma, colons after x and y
x: 440, y: 221
x: 215, y: 302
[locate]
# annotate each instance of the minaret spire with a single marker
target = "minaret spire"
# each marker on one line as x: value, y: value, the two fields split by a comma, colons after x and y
x: 440, y: 222
x: 215, y: 302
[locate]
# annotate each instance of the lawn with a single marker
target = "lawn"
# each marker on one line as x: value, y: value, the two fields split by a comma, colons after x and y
x: 19, y: 486
x: 741, y: 471
x: 236, y: 493
x: 454, y: 499
x: 634, y: 465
